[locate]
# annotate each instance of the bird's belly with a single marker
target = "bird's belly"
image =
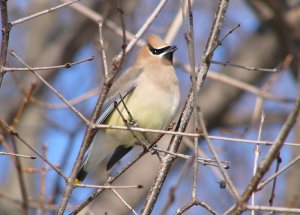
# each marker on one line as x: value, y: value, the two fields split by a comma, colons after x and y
x: 154, y: 112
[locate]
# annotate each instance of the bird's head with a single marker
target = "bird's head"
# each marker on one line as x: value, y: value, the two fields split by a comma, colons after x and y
x: 156, y: 51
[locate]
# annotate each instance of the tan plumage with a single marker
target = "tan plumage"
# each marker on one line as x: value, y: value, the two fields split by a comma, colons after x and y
x: 150, y: 91
x: 155, y: 41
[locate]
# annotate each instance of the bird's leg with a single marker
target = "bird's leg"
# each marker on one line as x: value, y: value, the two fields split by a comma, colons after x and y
x: 153, y: 151
x: 171, y: 125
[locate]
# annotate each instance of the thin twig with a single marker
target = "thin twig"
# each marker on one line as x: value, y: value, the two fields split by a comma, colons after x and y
x: 262, y: 142
x: 123, y: 27
x: 102, y: 50
x: 223, y: 38
x: 66, y: 65
x: 4, y: 143
x: 42, y: 12
x: 203, y: 161
x: 103, y: 126
x: 108, y: 187
x: 273, y: 209
x: 124, y: 202
x: 17, y: 155
x: 227, y: 63
x: 272, y: 195
x: 33, y: 170
x: 257, y: 151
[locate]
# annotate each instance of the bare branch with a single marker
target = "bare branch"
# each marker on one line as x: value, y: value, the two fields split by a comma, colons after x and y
x: 17, y: 155
x: 66, y: 65
x: 195, y: 203
x: 5, y: 36
x: 16, y: 22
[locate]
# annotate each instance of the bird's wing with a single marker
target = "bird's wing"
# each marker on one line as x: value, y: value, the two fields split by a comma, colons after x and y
x: 118, y: 154
x: 121, y: 88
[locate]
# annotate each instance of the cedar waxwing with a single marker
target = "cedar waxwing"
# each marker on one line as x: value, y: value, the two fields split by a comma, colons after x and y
x: 146, y: 95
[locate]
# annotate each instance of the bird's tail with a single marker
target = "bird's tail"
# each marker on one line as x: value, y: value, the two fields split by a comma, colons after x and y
x: 80, y: 175
x: 100, y: 149
x: 104, y: 151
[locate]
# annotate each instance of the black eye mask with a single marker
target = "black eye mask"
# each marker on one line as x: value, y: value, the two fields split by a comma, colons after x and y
x: 158, y: 51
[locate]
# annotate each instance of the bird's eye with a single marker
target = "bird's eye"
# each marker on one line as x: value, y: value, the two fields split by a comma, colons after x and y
x: 153, y: 50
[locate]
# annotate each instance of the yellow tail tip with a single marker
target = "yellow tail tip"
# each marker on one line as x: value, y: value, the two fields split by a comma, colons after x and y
x: 77, y: 181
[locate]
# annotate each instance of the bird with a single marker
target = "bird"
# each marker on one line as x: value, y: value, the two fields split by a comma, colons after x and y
x: 146, y: 95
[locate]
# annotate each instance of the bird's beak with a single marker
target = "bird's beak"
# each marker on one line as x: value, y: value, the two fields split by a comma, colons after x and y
x: 172, y: 49
x: 168, y: 55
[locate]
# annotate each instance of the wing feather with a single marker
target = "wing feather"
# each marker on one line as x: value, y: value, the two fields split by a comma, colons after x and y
x: 123, y: 86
